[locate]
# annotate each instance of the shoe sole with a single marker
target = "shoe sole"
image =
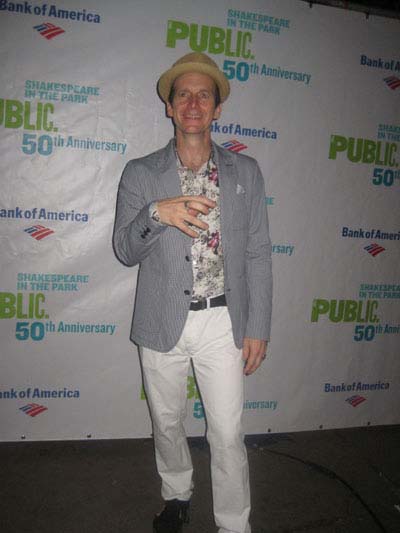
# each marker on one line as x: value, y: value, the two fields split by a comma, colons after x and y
x: 177, y: 531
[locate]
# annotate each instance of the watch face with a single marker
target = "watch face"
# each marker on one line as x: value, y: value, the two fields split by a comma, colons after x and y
x: 154, y: 214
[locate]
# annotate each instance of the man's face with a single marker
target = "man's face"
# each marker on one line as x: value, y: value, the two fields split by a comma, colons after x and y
x: 193, y: 106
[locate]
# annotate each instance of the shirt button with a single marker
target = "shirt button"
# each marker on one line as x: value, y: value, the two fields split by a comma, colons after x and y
x: 186, y: 292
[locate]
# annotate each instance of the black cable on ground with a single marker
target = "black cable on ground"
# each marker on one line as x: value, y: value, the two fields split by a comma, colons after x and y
x: 331, y: 474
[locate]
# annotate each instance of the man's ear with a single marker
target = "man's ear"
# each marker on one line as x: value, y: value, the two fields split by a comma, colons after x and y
x: 217, y: 111
x: 170, y: 111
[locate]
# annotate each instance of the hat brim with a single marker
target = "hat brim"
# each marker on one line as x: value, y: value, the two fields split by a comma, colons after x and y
x: 167, y: 79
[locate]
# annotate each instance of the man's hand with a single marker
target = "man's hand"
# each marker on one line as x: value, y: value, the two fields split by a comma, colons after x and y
x: 183, y: 210
x: 254, y: 351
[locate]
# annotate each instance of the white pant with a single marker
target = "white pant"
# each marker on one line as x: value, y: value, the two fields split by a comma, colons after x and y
x: 206, y: 340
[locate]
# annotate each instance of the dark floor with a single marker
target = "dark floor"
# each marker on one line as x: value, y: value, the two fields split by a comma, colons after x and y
x: 325, y: 481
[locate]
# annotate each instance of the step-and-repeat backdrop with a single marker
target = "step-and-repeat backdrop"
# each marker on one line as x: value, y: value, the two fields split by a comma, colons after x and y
x: 315, y: 99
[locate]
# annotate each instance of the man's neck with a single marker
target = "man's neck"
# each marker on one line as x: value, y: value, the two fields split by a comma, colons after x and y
x: 193, y: 151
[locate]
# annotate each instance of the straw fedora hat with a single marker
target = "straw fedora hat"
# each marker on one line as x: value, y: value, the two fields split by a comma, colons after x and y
x: 193, y: 62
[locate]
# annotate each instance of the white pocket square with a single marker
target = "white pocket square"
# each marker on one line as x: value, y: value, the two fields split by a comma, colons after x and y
x: 239, y: 189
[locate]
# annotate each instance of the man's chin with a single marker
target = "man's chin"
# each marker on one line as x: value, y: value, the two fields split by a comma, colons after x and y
x: 192, y: 130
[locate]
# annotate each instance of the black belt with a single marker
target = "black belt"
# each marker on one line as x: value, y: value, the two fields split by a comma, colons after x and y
x: 218, y: 301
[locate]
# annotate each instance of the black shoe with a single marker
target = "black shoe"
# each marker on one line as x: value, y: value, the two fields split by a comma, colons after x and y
x: 172, y: 517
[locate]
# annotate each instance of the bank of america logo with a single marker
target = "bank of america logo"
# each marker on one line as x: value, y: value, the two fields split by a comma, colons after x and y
x: 355, y: 400
x: 48, y: 30
x: 392, y: 82
x: 374, y: 249
x: 38, y: 232
x: 33, y: 409
x: 234, y: 145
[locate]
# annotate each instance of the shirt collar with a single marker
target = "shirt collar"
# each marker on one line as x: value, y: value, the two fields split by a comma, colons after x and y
x: 206, y: 166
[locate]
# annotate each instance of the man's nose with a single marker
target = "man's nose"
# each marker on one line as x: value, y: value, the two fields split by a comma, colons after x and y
x: 193, y: 100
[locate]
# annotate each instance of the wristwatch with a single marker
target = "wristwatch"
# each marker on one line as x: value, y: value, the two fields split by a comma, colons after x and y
x: 153, y: 212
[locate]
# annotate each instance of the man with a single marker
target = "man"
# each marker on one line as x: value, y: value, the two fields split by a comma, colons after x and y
x: 193, y: 216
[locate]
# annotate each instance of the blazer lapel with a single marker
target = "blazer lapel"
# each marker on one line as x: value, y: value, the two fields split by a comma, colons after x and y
x: 169, y: 180
x: 227, y: 174
x: 168, y: 172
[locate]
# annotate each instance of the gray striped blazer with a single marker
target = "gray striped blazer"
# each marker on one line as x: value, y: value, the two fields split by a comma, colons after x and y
x: 165, y: 279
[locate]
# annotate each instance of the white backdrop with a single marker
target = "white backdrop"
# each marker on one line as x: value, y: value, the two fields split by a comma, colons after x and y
x: 315, y: 98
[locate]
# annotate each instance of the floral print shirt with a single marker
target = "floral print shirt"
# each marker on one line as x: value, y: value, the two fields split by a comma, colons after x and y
x: 207, y: 257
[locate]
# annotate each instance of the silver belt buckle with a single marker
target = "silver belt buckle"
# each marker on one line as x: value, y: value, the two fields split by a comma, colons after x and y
x: 204, y: 304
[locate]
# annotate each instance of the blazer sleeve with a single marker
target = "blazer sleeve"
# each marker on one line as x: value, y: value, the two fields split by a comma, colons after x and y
x: 258, y: 263
x: 135, y: 232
